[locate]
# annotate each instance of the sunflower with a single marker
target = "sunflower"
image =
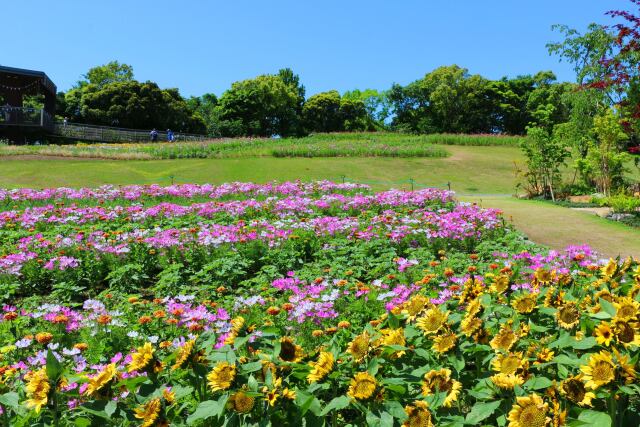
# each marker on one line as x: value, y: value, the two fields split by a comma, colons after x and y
x: 321, y: 368
x: 142, y: 358
x: 98, y: 383
x: 610, y: 269
x: 529, y: 411
x: 568, y: 315
x: 241, y: 402
x: 627, y: 308
x: 431, y: 321
x: 628, y: 370
x: 221, y: 377
x: 418, y: 415
x: 543, y: 276
x: 414, y: 306
x: 599, y: 371
x: 271, y: 396
x: 525, y: 303
x: 445, y: 342
x: 148, y: 413
x: 183, y: 354
x: 470, y: 325
x: 504, y: 339
x: 440, y: 382
x: 500, y: 284
x: 544, y: 356
x: 507, y: 381
x: 473, y: 308
x: 359, y: 347
x: 37, y: 388
x: 362, y: 386
x: 626, y: 333
x: 394, y: 337
x: 508, y: 363
x: 553, y: 298
x: 289, y: 350
x: 604, y: 334
x: 574, y: 390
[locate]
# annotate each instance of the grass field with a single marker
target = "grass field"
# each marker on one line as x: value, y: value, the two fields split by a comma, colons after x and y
x: 480, y: 174
x: 319, y: 145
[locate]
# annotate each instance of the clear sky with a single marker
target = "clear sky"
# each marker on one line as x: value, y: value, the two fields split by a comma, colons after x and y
x: 203, y: 46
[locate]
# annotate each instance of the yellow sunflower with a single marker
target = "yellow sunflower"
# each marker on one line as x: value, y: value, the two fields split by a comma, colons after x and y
x: 414, y: 306
x: 473, y: 308
x: 568, y: 315
x: 599, y: 371
x: 610, y: 269
x: 504, y: 339
x: 432, y: 320
x: 394, y: 337
x: 359, y: 347
x: 440, y: 381
x: 575, y: 390
x: 500, y: 284
x: 544, y: 276
x: 445, y: 342
x: 510, y: 369
x: 184, y: 353
x: 362, y: 386
x: 98, y: 383
x: 221, y: 377
x: 418, y: 415
x: 626, y: 333
x: 604, y: 334
x: 627, y: 308
x: 142, y: 358
x: 470, y: 325
x: 321, y: 368
x: 289, y: 350
x: 525, y: 303
x: 241, y: 402
x: 529, y: 411
x: 148, y: 413
x: 37, y: 389
x: 628, y: 370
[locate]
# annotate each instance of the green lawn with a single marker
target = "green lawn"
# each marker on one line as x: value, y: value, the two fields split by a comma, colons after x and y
x: 469, y: 169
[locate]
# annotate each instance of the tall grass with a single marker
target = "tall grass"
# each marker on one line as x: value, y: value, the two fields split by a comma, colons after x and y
x: 318, y: 145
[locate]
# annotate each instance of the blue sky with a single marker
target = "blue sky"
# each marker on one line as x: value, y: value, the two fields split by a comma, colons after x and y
x: 203, y: 46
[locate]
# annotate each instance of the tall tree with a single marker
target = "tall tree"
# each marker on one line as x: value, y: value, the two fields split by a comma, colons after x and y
x: 111, y: 72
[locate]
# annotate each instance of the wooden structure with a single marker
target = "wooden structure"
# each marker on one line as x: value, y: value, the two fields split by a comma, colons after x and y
x: 17, y: 122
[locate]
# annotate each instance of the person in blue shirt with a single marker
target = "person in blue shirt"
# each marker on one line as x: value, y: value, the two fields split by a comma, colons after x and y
x: 170, y: 136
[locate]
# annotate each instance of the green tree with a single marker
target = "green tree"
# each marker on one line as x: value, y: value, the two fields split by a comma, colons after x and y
x: 545, y: 154
x: 321, y: 112
x: 377, y: 105
x: 606, y: 159
x: 134, y: 105
x: 263, y: 106
x: 205, y: 107
x: 112, y: 72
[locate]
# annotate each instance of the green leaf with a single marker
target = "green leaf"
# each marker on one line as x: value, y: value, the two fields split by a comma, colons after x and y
x: 585, y: 343
x: 250, y: 367
x: 481, y: 411
x: 54, y: 368
x: 592, y: 418
x: 307, y: 402
x: 208, y: 409
x: 608, y: 307
x: 110, y: 408
x: 10, y: 400
x: 337, y: 403
x: 538, y: 383
x: 82, y: 422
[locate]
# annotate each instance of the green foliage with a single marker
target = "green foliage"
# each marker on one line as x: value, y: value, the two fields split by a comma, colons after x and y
x: 132, y: 104
x: 546, y: 153
x: 606, y: 161
x: 263, y: 106
x: 102, y: 75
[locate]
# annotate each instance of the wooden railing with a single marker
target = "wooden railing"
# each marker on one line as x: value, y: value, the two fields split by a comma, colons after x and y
x: 112, y: 134
x: 23, y: 116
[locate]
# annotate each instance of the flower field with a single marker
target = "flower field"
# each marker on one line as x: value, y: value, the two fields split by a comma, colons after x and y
x: 303, y: 304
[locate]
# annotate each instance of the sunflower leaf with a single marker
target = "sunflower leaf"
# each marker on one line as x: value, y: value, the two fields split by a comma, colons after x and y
x: 481, y: 411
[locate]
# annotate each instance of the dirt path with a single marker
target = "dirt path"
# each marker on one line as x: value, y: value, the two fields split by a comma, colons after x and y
x: 559, y: 227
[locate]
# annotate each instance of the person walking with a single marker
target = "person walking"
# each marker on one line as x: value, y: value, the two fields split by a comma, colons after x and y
x: 154, y: 135
x: 170, y: 135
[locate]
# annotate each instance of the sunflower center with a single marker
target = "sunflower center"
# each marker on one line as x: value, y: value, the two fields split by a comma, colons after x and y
x: 575, y: 390
x: 532, y: 416
x: 626, y: 333
x: 626, y: 311
x: 287, y: 351
x: 569, y: 314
